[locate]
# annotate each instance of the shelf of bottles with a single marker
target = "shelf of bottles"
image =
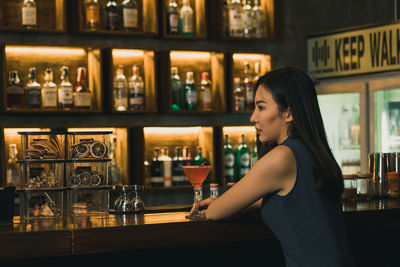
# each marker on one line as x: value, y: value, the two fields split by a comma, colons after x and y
x: 184, y: 19
x: 134, y: 84
x: 33, y: 15
x: 169, y: 148
x: 137, y: 17
x: 52, y: 79
x: 240, y: 152
x: 246, y: 19
x: 246, y: 71
x: 195, y: 82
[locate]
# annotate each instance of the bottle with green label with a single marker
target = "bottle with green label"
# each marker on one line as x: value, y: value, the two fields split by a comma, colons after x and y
x: 242, y: 159
x: 229, y: 161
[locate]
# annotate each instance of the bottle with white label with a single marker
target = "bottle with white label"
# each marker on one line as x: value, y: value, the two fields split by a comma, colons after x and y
x: 29, y: 20
x: 33, y: 90
x: 247, y: 19
x: 130, y: 15
x: 205, y: 93
x: 65, y: 99
x: 258, y: 20
x: 186, y: 19
x: 49, y: 91
x: 190, y: 92
x: 136, y: 90
x: 242, y: 159
x: 120, y: 90
x: 82, y: 95
x: 236, y: 19
x: 156, y: 170
x: 178, y: 176
x: 229, y: 161
x: 172, y: 18
x: 167, y: 163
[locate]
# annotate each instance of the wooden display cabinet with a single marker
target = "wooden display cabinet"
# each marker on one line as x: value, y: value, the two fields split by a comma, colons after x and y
x: 238, y: 67
x: 199, y: 19
x: 147, y: 18
x: 145, y: 60
x: 21, y: 58
x: 50, y: 15
x: 221, y: 16
x: 197, y: 62
x: 171, y: 137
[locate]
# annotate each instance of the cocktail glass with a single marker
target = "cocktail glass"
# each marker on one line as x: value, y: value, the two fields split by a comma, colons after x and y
x: 196, y: 176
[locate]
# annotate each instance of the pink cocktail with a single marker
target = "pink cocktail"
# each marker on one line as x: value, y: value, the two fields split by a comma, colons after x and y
x: 196, y: 176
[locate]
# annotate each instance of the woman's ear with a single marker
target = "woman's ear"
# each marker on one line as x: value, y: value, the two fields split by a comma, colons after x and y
x: 288, y: 115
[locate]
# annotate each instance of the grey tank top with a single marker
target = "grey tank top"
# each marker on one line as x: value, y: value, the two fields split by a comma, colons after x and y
x: 308, y: 224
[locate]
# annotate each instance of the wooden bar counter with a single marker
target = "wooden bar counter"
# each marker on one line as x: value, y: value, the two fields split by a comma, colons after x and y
x: 371, y: 227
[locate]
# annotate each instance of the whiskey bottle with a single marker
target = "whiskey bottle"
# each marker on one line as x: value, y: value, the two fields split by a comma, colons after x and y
x: 178, y: 176
x: 82, y: 95
x: 136, y: 90
x: 205, y: 94
x: 190, y: 92
x: 257, y: 71
x: 65, y: 98
x: 120, y: 90
x: 156, y: 170
x: 242, y: 159
x: 130, y: 14
x: 33, y: 90
x: 248, y: 19
x: 12, y: 167
x: 112, y: 15
x: 167, y: 167
x: 248, y: 87
x: 238, y: 95
x: 186, y: 19
x: 258, y: 20
x: 29, y: 20
x: 229, y: 161
x: 225, y: 18
x: 15, y: 92
x: 114, y: 169
x: 172, y: 18
x: 176, y: 87
x: 235, y: 19
x: 49, y: 91
x: 92, y: 13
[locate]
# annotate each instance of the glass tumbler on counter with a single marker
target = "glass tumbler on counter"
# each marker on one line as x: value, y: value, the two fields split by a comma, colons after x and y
x: 350, y: 187
x: 365, y: 186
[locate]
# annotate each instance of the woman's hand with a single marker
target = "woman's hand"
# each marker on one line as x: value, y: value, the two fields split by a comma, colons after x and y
x: 203, y: 205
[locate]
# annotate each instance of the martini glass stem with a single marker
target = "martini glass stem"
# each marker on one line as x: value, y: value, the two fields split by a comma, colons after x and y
x: 197, y: 198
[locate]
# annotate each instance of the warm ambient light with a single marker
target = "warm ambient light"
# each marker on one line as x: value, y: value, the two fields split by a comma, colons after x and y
x: 16, y: 130
x: 189, y: 55
x: 44, y: 50
x: 127, y: 53
x: 90, y: 129
x: 240, y: 129
x: 172, y: 130
x: 249, y: 57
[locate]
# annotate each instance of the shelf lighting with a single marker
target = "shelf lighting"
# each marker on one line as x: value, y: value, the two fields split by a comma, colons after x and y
x: 192, y: 55
x: 127, y: 53
x: 240, y: 129
x: 44, y: 50
x: 172, y: 130
x: 249, y: 57
x: 90, y: 129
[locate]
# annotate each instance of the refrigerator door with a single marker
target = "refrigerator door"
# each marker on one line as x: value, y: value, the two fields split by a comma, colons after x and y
x: 341, y: 109
x: 385, y: 100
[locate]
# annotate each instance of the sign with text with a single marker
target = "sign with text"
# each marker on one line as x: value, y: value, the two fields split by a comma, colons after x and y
x: 368, y: 50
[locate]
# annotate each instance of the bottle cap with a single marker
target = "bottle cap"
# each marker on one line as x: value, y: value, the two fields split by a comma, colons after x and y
x: 213, y: 185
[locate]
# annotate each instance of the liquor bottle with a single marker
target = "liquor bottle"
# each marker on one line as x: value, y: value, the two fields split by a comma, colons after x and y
x: 114, y: 170
x: 15, y: 92
x: 176, y: 86
x: 257, y: 71
x: 242, y: 159
x: 199, y: 159
x: 178, y: 176
x: 167, y: 166
x: 120, y: 90
x: 248, y: 87
x: 65, y: 99
x: 190, y: 92
x: 156, y: 170
x: 235, y: 19
x: 172, y: 18
x: 130, y: 14
x: 136, y: 90
x: 82, y: 95
x: 92, y: 13
x: 205, y: 94
x: 112, y: 15
x: 12, y: 167
x: 29, y: 18
x: 186, y: 18
x: 248, y: 19
x: 49, y: 91
x: 225, y: 18
x: 229, y: 161
x: 187, y: 161
x: 33, y: 90
x: 258, y: 20
x: 238, y: 95
x: 254, y: 155
x: 214, y: 190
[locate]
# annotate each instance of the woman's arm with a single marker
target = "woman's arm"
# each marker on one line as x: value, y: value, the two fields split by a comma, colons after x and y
x: 274, y: 172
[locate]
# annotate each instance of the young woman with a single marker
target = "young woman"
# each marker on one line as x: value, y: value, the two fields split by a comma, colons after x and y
x: 296, y: 184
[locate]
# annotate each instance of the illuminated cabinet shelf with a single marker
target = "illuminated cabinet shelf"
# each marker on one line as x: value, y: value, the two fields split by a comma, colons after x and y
x: 22, y: 58
x: 50, y: 16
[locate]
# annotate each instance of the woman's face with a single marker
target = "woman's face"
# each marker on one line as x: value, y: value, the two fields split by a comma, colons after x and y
x: 271, y: 125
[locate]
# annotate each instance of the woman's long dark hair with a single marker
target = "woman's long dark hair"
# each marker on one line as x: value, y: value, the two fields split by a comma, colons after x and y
x: 292, y: 88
